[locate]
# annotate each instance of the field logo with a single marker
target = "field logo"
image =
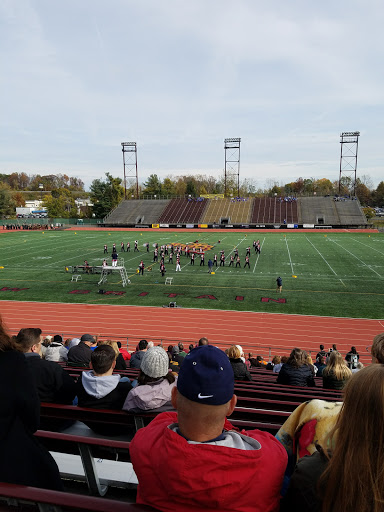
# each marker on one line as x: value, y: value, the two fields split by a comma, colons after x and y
x: 269, y: 299
x: 7, y: 289
x: 195, y: 247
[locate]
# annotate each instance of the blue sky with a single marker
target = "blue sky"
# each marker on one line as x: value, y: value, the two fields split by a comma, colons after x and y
x: 79, y: 77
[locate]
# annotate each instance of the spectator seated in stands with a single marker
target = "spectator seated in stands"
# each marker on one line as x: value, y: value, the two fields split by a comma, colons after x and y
x: 320, y: 365
x: 311, y: 365
x: 47, y: 340
x: 352, y: 358
x: 202, y: 342
x: 196, y: 457
x: 296, y: 371
x: 23, y: 460
x: 98, y: 388
x: 275, y: 360
x: 120, y: 363
x: 80, y: 354
x: 350, y: 476
x: 181, y: 349
x: 322, y: 353
x: 336, y: 373
x: 359, y: 367
x: 377, y: 349
x: 126, y: 355
x: 278, y: 366
x: 137, y: 356
x: 155, y: 383
x: 53, y: 383
x: 56, y: 351
x: 177, y: 359
x: 258, y: 362
x: 239, y: 368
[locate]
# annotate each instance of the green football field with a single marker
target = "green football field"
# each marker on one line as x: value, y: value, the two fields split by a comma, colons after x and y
x: 335, y: 274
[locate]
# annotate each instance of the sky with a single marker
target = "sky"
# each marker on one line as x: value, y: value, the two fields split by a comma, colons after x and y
x: 79, y: 77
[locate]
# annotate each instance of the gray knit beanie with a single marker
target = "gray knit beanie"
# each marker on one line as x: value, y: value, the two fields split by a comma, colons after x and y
x: 155, y: 363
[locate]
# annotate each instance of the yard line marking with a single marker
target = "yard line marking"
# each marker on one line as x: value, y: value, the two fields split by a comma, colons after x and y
x: 361, y: 261
x: 365, y: 245
x: 254, y: 268
x: 321, y: 256
x: 342, y: 282
x: 289, y: 254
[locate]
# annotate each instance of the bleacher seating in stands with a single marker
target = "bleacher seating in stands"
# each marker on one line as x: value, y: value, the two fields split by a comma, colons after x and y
x: 137, y: 211
x: 183, y: 211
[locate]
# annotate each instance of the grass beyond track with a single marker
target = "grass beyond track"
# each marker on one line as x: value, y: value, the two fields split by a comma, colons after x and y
x: 340, y: 274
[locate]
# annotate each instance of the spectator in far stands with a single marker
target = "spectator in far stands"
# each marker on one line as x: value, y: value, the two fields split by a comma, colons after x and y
x: 322, y: 353
x: 191, y: 347
x: 320, y: 365
x: 336, y: 373
x: 80, y: 354
x: 45, y: 344
x: 56, y: 350
x: 296, y: 371
x: 203, y: 341
x: 258, y: 362
x: 155, y: 383
x: 212, y: 465
x: 278, y: 366
x: 377, y: 349
x: 100, y: 389
x: 311, y: 365
x: 239, y: 368
x: 352, y: 358
x: 181, y: 349
x: 137, y: 357
x: 126, y: 355
x: 23, y: 460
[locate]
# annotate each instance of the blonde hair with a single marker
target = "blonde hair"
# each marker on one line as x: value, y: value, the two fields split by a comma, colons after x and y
x: 112, y: 344
x: 336, y: 364
x: 234, y: 352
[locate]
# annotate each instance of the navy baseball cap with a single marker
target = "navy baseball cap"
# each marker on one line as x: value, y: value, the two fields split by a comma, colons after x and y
x: 206, y: 376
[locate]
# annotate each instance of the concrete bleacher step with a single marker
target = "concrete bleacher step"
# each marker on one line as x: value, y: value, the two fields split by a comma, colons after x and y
x: 111, y: 473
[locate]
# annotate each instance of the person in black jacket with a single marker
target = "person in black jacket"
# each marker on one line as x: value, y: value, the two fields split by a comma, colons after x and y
x: 239, y: 368
x: 23, y: 460
x: 81, y: 353
x: 137, y: 356
x: 296, y: 371
x: 53, y: 383
x: 99, y: 388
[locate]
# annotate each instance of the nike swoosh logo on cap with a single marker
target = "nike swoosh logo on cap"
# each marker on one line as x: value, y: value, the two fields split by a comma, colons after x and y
x: 204, y: 396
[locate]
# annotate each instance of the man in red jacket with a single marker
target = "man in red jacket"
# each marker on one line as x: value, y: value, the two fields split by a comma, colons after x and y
x: 194, y: 459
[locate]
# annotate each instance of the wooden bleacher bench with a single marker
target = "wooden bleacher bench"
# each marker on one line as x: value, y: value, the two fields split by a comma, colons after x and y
x: 47, y: 500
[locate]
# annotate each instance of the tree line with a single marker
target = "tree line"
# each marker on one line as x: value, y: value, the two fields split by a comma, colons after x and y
x: 58, y: 191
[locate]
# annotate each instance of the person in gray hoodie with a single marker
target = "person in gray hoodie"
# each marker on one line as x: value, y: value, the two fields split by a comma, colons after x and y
x: 98, y: 388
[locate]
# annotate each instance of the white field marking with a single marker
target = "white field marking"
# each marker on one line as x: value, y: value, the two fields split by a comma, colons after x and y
x: 289, y: 254
x: 257, y: 259
x: 320, y: 255
x: 342, y: 282
x: 364, y: 264
x: 369, y: 247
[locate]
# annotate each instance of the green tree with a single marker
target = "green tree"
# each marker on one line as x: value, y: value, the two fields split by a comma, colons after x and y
x: 60, y: 204
x: 106, y: 195
x: 168, y: 187
x: 379, y: 195
x: 152, y: 186
x: 363, y: 193
x: 7, y: 204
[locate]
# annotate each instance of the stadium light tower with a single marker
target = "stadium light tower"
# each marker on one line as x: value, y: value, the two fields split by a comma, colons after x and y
x: 349, y: 142
x: 130, y: 165
x: 232, y: 164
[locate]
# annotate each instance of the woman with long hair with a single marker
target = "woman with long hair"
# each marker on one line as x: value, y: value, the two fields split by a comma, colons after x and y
x: 336, y: 373
x: 296, y: 371
x: 350, y: 476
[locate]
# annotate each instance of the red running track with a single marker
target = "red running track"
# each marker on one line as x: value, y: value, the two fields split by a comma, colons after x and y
x: 223, y: 328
